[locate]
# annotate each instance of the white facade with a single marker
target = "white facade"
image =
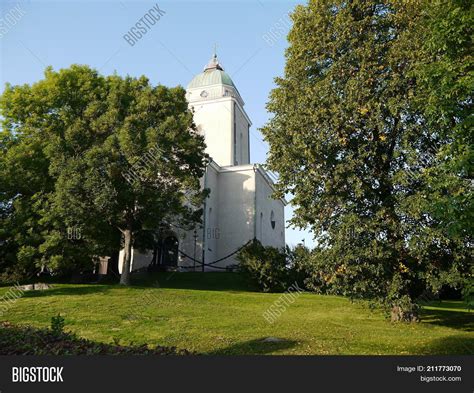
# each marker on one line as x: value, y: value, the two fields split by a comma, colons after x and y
x: 239, y: 207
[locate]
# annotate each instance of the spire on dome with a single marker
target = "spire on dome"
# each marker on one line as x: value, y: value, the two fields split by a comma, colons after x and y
x: 214, y: 62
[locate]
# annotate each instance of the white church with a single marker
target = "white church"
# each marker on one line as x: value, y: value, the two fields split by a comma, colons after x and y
x: 240, y: 206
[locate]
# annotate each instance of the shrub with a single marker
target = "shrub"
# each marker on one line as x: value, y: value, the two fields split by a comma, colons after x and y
x: 57, y: 325
x: 264, y: 266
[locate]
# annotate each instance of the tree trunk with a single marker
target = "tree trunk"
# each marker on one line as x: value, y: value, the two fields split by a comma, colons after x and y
x: 125, y: 276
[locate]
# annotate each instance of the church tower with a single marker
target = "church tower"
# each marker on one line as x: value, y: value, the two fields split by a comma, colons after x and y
x: 219, y: 115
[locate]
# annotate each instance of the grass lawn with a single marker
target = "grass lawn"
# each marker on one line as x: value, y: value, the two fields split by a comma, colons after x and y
x: 215, y: 313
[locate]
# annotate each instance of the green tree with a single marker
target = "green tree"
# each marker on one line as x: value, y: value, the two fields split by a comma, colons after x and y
x: 445, y: 81
x: 350, y: 145
x: 24, y: 185
x: 444, y: 73
x: 120, y: 155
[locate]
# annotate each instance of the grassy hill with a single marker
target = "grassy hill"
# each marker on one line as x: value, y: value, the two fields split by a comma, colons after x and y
x: 216, y: 313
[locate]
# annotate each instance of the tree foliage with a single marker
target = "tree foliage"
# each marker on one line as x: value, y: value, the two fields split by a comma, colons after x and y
x: 103, y: 156
x: 353, y: 143
x: 445, y: 81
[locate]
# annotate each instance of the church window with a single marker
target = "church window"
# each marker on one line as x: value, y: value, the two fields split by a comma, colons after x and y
x: 272, y: 220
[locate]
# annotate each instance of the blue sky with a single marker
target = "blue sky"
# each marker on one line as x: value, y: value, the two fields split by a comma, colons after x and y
x: 250, y: 38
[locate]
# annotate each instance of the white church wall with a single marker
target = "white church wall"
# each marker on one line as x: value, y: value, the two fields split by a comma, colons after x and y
x: 266, y: 207
x: 186, y: 245
x: 236, y: 210
x: 211, y: 232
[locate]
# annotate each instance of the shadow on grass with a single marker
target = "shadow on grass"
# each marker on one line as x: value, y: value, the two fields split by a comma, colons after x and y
x: 209, y: 281
x: 453, y: 319
x: 27, y: 340
x: 254, y: 347
x: 451, y: 345
x: 69, y: 291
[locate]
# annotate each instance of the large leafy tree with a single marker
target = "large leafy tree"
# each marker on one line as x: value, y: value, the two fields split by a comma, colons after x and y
x: 350, y: 144
x: 118, y: 156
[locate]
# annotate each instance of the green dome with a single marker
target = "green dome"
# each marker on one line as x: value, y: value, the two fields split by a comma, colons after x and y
x: 211, y: 78
x: 213, y: 74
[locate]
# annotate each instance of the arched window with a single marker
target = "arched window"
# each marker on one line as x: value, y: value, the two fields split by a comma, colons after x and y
x: 272, y: 220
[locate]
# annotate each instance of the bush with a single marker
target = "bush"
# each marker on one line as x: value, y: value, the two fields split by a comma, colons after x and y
x: 57, y: 325
x: 273, y: 270
x: 265, y: 267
